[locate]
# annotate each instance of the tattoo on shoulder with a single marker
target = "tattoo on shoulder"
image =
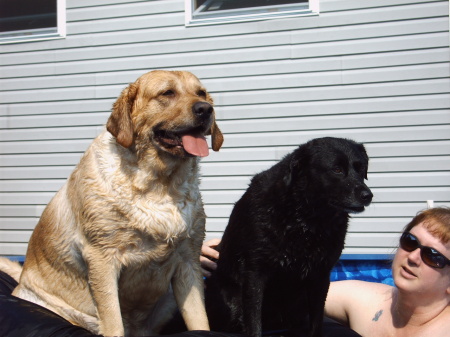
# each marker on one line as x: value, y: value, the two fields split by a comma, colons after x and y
x: 377, y: 315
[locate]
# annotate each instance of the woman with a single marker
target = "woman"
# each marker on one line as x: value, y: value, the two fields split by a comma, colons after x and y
x: 419, y: 305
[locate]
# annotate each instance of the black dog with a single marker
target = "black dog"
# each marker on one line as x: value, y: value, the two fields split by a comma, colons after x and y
x: 283, y: 238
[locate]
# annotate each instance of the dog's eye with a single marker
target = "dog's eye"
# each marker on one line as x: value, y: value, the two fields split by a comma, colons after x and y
x: 168, y: 93
x: 201, y: 93
x: 338, y: 170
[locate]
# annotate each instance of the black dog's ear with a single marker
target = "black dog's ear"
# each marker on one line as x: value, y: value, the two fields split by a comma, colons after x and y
x: 293, y: 165
x: 366, y: 159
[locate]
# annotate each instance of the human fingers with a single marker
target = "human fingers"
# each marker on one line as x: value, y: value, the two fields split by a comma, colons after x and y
x: 207, y: 265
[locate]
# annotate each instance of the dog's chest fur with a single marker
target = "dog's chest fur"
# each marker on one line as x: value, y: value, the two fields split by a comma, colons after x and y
x: 151, y: 218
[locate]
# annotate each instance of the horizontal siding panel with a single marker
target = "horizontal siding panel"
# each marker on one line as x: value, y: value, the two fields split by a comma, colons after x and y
x: 376, y: 210
x: 356, y: 225
x: 384, y: 195
x: 88, y: 132
x: 126, y: 23
x: 95, y: 3
x: 50, y: 185
x: 339, y: 77
x: 325, y: 86
x: 328, y: 107
x: 414, y: 148
x: 14, y: 236
x: 271, y: 109
x: 48, y: 121
x: 375, y: 150
x: 341, y: 5
x: 422, y: 87
x: 385, y: 253
x: 41, y: 108
x: 123, y: 9
x: 439, y: 132
x: 44, y: 159
x: 367, y: 225
x: 56, y: 128
x: 325, y: 49
x: 165, y: 45
x: 50, y: 172
x: 208, y: 183
x: 250, y: 168
x: 14, y: 223
x: 389, y: 180
x: 336, y: 122
x: 385, y: 240
x: 15, y: 248
x: 72, y: 145
x: 261, y: 68
x: 410, y: 164
x: 292, y: 138
x: 376, y: 180
x: 21, y: 211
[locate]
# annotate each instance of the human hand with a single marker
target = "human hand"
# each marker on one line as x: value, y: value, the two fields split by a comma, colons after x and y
x: 209, y: 252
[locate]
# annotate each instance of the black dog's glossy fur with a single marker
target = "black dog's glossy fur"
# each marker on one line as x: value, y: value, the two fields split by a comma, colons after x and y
x: 283, y: 238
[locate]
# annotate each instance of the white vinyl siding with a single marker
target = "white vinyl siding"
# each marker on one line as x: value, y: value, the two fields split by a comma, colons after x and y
x: 375, y: 71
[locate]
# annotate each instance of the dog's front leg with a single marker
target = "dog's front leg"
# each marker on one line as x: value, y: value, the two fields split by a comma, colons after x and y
x: 253, y: 293
x: 187, y: 287
x: 317, y: 304
x: 103, y: 284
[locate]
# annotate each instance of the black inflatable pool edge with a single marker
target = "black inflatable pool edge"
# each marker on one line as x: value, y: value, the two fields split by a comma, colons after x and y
x: 20, y: 318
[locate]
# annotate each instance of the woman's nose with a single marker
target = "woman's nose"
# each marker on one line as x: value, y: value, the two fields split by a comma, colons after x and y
x: 415, y: 257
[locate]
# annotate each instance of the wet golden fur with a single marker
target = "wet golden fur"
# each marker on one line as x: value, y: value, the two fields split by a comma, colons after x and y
x: 129, y: 223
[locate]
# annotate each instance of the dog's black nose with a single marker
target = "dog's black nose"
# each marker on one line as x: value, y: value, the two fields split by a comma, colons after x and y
x: 366, y: 196
x: 202, y: 109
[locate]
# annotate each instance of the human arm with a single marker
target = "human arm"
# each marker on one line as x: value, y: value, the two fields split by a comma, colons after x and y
x: 208, y: 255
x: 336, y: 305
x: 357, y: 303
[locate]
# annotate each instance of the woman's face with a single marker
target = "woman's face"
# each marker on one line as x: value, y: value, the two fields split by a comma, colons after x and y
x: 410, y: 273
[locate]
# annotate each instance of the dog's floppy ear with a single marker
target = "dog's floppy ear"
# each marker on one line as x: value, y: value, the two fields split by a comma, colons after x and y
x: 293, y: 165
x: 119, y: 123
x: 366, y: 159
x: 216, y: 137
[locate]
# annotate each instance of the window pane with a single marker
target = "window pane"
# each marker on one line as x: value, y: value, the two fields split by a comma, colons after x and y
x: 239, y: 4
x: 27, y: 14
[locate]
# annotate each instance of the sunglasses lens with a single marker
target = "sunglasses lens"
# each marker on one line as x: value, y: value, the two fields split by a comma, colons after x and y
x: 408, y: 242
x: 432, y: 257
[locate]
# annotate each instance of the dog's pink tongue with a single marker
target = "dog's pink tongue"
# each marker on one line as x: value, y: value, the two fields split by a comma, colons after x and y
x: 195, y: 145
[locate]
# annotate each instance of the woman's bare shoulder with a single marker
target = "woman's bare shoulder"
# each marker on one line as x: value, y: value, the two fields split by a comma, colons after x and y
x: 363, y: 290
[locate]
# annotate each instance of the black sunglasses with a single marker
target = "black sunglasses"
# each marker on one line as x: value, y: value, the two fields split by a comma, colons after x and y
x: 429, y: 255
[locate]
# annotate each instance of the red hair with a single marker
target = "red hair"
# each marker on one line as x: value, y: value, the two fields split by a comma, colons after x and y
x: 435, y: 220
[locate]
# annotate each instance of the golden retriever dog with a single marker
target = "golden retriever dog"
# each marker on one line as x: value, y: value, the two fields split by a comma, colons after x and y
x: 122, y: 237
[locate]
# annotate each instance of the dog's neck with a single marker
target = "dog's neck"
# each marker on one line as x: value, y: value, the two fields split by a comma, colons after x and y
x: 165, y: 172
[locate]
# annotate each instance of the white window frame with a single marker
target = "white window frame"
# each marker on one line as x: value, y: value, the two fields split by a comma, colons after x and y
x: 29, y: 35
x: 195, y: 18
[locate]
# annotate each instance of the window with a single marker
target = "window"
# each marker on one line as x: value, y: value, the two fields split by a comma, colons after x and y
x: 24, y: 20
x: 200, y: 12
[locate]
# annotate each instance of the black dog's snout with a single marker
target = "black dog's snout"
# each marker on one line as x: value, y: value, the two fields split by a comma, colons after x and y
x: 366, y: 196
x: 202, y: 109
